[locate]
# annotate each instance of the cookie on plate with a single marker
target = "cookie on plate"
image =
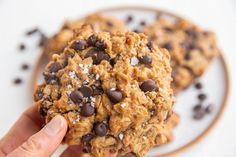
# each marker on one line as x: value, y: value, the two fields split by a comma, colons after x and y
x: 99, y: 22
x: 113, y: 89
x: 190, y: 47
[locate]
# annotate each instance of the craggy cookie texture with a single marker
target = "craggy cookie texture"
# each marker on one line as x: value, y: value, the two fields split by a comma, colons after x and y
x: 190, y: 47
x: 113, y: 89
x: 57, y: 43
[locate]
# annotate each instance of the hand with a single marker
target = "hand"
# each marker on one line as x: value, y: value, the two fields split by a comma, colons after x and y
x: 27, y: 139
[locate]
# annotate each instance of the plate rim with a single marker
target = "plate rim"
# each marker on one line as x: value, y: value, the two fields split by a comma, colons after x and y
x: 41, y: 58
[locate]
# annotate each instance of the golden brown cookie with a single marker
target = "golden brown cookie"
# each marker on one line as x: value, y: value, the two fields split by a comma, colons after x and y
x: 190, y: 47
x: 99, y: 22
x: 113, y: 89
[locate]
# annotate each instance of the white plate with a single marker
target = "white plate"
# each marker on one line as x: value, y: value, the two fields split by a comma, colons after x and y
x: 215, y: 81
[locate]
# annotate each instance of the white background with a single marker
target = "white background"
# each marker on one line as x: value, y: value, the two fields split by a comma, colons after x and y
x: 16, y: 16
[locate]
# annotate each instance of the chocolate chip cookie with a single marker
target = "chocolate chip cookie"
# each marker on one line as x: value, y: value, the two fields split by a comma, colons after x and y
x: 113, y: 89
x: 58, y: 42
x: 190, y: 47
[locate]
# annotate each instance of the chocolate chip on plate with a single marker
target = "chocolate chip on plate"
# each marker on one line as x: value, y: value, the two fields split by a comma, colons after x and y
x: 86, y: 91
x: 198, y: 85
x: 150, y: 45
x: 22, y: 47
x: 79, y: 45
x: 32, y: 31
x: 129, y: 19
x: 142, y: 23
x: 100, y: 129
x: 131, y: 154
x: 168, y: 46
x: 76, y: 96
x: 17, y: 81
x: 197, y: 107
x: 92, y: 40
x: 24, y: 66
x: 209, y: 108
x: 55, y: 67
x: 115, y: 96
x: 148, y: 85
x: 43, y: 40
x: 202, y: 97
x: 145, y: 59
x: 87, y: 110
x: 199, y: 114
x: 136, y: 31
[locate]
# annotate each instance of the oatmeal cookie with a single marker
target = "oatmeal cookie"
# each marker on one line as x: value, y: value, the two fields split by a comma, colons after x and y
x: 113, y: 89
x: 57, y: 43
x: 190, y: 47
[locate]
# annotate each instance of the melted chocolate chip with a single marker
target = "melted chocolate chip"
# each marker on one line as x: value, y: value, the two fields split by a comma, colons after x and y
x: 55, y: 67
x: 202, y: 97
x: 131, y: 154
x: 100, y: 45
x: 100, y: 129
x: 43, y: 40
x: 115, y: 96
x: 148, y: 86
x: 136, y: 31
x: 92, y: 40
x: 86, y: 91
x: 51, y: 79
x: 150, y: 45
x: 79, y: 45
x: 168, y: 46
x: 76, y: 96
x: 17, y: 81
x: 145, y: 59
x: 87, y: 110
x: 143, y: 23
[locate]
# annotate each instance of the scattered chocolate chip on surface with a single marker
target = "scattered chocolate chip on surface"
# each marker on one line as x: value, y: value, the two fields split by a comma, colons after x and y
x: 197, y: 107
x: 202, y: 96
x: 199, y: 114
x: 22, y: 47
x: 129, y: 19
x: 198, y: 85
x: 32, y: 31
x: 209, y: 109
x: 17, y: 81
x: 24, y: 66
x: 43, y: 40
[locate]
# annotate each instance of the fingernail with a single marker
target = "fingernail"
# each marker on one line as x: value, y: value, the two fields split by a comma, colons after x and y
x: 54, y: 126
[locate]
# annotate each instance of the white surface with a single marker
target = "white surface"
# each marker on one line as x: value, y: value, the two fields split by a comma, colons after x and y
x: 17, y: 16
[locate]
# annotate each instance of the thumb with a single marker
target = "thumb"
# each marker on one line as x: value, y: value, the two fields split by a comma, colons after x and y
x: 45, y: 142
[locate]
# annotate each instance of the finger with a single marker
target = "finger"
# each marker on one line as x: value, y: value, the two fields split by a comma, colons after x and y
x: 112, y: 155
x: 75, y: 151
x: 28, y: 124
x: 45, y: 142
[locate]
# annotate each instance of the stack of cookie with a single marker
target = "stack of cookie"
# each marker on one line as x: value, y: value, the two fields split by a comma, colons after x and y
x: 114, y: 87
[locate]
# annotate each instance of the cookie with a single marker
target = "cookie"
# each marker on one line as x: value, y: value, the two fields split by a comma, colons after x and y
x: 58, y: 42
x: 114, y: 89
x: 190, y: 47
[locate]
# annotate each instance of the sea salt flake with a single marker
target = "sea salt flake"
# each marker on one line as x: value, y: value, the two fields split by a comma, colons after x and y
x: 81, y: 65
x: 85, y: 71
x: 121, y: 136
x: 113, y: 89
x: 97, y: 76
x: 123, y: 105
x: 134, y: 61
x: 72, y: 74
x: 133, y: 86
x: 144, y: 137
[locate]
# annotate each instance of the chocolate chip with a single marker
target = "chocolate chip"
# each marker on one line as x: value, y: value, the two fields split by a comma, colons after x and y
x: 114, y: 60
x: 32, y: 31
x: 197, y: 107
x: 42, y: 112
x: 92, y: 40
x: 97, y: 55
x: 206, y: 33
x: 145, y: 59
x: 17, y: 81
x: 168, y: 29
x: 143, y: 23
x: 187, y: 56
x: 100, y: 45
x: 76, y: 96
x: 131, y: 154
x: 129, y: 19
x: 87, y: 110
x: 136, y: 31
x: 188, y: 46
x: 109, y: 24
x: 199, y: 114
x: 209, y: 108
x: 97, y: 90
x: 150, y: 45
x: 86, y: 91
x: 51, y: 79
x: 40, y: 95
x: 148, y: 86
x: 198, y: 85
x: 168, y: 46
x: 100, y: 129
x: 202, y: 97
x: 43, y: 40
x: 21, y: 47
x: 55, y: 67
x: 86, y: 138
x: 115, y: 96
x: 79, y: 45
x: 24, y: 66
x: 191, y: 33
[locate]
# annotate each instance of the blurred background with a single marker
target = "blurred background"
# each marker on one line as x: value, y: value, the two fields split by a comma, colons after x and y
x: 17, y: 16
